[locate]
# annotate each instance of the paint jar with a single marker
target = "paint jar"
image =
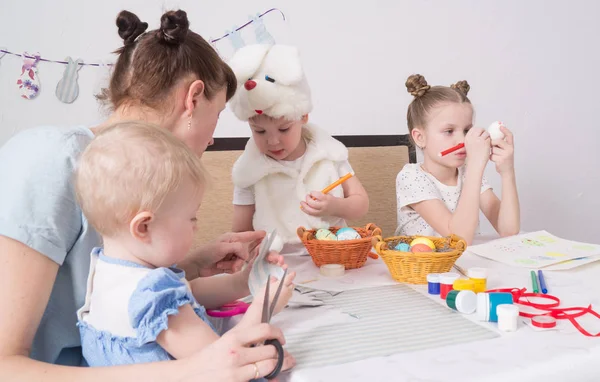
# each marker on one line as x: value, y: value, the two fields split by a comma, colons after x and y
x: 508, y: 317
x: 479, y: 277
x: 433, y: 283
x: 488, y: 302
x: 463, y: 301
x: 446, y: 281
x: 464, y: 284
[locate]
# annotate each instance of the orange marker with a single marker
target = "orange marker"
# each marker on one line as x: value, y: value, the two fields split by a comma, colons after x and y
x: 337, y: 183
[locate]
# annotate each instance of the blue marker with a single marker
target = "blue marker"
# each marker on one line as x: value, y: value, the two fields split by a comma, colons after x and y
x: 542, y: 282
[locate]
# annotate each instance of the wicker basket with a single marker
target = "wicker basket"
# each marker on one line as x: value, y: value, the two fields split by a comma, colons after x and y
x: 413, y: 268
x: 351, y: 253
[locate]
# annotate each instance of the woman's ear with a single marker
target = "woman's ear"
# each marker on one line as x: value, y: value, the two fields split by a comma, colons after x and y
x: 139, y: 227
x: 195, y: 91
x: 418, y: 136
x: 305, y: 119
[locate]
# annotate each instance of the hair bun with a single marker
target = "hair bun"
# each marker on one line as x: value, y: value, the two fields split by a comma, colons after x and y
x: 174, y: 26
x: 461, y: 86
x: 130, y: 27
x: 416, y: 85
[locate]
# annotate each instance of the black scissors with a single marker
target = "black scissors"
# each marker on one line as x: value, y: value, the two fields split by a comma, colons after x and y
x: 266, y: 318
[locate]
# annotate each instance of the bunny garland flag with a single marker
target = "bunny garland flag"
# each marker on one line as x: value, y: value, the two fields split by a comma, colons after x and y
x: 67, y: 89
x: 28, y: 81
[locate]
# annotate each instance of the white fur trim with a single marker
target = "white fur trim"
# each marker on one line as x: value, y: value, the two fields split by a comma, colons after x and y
x: 278, y: 189
x: 288, y: 96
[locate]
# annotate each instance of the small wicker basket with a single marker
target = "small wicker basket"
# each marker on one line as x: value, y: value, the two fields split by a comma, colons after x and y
x: 351, y: 253
x: 413, y: 268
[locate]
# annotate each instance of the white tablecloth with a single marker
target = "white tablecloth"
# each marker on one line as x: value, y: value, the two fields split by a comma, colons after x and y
x: 525, y: 355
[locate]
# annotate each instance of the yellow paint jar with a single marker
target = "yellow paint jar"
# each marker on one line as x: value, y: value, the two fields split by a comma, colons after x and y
x: 479, y: 277
x: 464, y: 284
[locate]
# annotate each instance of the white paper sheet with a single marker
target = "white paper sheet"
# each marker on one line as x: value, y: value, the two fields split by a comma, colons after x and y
x: 537, y: 250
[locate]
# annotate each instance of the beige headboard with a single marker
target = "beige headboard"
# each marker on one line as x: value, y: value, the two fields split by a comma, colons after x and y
x: 376, y: 160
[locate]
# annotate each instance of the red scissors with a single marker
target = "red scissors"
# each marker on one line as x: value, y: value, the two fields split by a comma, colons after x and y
x: 229, y: 310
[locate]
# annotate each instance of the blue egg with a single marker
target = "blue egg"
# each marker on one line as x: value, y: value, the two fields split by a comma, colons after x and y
x: 403, y: 247
x: 347, y: 233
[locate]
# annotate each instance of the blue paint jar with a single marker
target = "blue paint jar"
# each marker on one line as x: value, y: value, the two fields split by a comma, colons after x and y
x: 488, y: 302
x: 433, y: 283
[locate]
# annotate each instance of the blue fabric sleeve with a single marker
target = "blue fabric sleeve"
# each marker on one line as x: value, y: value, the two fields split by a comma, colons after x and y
x: 158, y: 295
x: 37, y: 200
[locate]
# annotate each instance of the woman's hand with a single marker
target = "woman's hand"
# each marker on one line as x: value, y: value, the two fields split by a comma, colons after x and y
x: 227, y: 254
x: 231, y: 358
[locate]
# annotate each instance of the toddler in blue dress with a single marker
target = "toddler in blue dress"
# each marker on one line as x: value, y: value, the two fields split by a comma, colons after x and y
x: 141, y: 188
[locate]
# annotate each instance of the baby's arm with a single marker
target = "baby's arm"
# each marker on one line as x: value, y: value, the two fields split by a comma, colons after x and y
x: 186, y: 334
x: 215, y: 291
x: 242, y: 218
x: 463, y: 222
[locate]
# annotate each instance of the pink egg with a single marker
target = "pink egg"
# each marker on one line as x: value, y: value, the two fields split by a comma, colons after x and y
x: 420, y: 248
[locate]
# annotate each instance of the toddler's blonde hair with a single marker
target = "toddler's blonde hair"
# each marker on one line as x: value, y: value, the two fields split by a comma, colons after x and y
x: 131, y: 167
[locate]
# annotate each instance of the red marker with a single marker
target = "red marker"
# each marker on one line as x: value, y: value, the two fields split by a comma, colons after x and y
x: 451, y: 149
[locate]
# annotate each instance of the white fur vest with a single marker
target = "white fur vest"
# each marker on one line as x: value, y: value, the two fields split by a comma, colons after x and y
x: 278, y: 189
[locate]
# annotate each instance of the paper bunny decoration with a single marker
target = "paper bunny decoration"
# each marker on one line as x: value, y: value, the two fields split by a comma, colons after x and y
x: 260, y: 31
x: 29, y: 82
x: 236, y: 39
x: 67, y: 89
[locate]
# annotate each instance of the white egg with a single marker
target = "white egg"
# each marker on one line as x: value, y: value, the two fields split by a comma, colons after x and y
x: 494, y: 130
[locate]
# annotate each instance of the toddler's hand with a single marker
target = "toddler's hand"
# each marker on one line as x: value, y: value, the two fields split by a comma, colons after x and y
x: 503, y: 151
x: 318, y: 204
x: 273, y: 257
x: 254, y: 313
x: 477, y: 144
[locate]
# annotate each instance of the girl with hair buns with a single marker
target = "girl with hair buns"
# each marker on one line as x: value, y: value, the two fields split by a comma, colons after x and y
x: 443, y: 194
x: 169, y: 77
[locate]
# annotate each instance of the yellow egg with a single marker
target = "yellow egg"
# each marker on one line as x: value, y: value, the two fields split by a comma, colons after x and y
x: 423, y: 240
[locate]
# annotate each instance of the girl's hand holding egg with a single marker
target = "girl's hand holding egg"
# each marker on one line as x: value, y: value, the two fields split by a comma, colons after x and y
x: 502, y: 147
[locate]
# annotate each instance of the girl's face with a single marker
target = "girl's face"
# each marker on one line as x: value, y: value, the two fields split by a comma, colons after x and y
x: 279, y: 138
x: 447, y: 125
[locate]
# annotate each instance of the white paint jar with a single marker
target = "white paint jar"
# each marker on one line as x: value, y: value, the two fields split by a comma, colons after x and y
x: 508, y: 317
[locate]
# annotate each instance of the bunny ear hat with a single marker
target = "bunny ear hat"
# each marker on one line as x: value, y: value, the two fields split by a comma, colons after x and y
x: 270, y: 81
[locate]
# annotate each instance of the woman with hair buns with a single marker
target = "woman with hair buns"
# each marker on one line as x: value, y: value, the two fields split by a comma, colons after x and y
x: 170, y: 77
x: 443, y: 194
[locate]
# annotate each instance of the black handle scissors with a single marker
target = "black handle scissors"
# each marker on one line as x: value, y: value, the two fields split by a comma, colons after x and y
x: 266, y: 318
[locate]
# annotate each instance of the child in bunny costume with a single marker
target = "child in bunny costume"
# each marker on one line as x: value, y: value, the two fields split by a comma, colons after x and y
x: 286, y: 161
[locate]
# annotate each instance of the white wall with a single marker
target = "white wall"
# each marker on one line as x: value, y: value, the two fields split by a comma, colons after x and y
x: 532, y: 64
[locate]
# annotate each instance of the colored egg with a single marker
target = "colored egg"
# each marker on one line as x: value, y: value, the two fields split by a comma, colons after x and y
x: 423, y: 240
x: 420, y: 248
x: 325, y: 234
x: 347, y: 233
x: 403, y: 247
